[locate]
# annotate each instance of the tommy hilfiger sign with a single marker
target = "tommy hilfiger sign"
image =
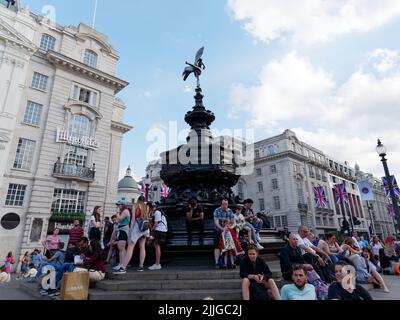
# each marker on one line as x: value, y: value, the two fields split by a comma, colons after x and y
x: 63, y: 136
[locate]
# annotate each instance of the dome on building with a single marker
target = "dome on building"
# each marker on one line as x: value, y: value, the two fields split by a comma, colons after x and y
x: 128, y: 182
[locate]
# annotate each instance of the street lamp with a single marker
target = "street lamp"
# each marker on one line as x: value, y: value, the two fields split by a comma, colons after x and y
x: 381, y: 150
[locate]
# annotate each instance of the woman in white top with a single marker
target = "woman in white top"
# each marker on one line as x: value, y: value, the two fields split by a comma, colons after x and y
x: 376, y: 245
x: 95, y: 225
x: 366, y: 271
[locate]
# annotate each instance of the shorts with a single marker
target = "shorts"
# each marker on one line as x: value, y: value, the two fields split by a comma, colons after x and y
x: 24, y: 268
x: 217, y: 237
x: 122, y: 236
x: 160, y: 237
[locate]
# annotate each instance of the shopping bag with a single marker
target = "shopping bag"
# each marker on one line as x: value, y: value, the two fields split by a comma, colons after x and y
x: 75, y: 286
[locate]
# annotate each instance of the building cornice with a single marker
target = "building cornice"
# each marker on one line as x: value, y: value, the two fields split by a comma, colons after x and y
x: 82, y: 69
x: 299, y: 157
x: 12, y: 36
x: 121, y: 127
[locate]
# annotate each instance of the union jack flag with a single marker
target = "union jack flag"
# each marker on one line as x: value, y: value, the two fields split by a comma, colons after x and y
x: 164, y: 190
x: 142, y: 188
x: 391, y: 212
x: 320, y: 197
x: 394, y: 184
x: 341, y: 194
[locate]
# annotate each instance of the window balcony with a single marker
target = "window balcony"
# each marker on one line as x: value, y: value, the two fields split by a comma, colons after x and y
x: 302, y: 207
x: 325, y: 211
x: 74, y: 172
x: 312, y: 174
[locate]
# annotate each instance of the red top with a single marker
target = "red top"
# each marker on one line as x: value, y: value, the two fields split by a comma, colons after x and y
x: 75, y: 234
x: 95, y: 262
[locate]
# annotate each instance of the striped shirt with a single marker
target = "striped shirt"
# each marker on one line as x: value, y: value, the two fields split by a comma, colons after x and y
x: 75, y: 234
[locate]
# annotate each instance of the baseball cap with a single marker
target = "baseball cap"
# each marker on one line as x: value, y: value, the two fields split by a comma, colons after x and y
x: 122, y: 202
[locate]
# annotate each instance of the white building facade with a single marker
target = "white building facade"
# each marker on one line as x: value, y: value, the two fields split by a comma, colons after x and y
x: 61, y: 127
x: 286, y: 170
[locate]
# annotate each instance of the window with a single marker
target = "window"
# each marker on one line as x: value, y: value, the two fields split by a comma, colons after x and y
x: 277, y: 221
x: 331, y: 222
x: 273, y: 169
x: 271, y: 150
x: 24, y: 154
x: 277, y: 203
x: 47, y: 42
x: 284, y: 222
x: 76, y: 156
x: 39, y: 81
x: 333, y: 179
x: 260, y: 187
x: 296, y: 168
x: 257, y: 154
x: 10, y: 221
x: 258, y: 172
x: 15, y: 195
x: 303, y: 221
x: 262, y: 204
x: 90, y: 58
x: 275, y: 184
x: 68, y: 201
x: 80, y: 126
x: 318, y: 221
x: 84, y: 95
x: 240, y: 190
x: 33, y: 112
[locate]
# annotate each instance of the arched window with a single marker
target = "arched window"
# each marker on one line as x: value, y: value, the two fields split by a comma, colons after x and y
x: 79, y: 126
x: 47, y: 42
x: 90, y: 58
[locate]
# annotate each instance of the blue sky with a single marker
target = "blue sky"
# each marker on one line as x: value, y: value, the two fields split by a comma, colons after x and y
x: 326, y: 72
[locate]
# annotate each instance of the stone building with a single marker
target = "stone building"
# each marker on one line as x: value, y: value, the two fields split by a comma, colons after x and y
x: 128, y: 188
x: 285, y: 172
x: 61, y: 126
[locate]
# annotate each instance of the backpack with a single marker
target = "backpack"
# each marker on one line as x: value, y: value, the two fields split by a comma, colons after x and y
x: 169, y: 226
x: 321, y: 288
x: 144, y: 225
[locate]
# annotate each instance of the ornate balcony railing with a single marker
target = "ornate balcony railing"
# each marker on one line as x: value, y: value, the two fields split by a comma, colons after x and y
x: 302, y: 207
x: 71, y: 171
x: 325, y: 211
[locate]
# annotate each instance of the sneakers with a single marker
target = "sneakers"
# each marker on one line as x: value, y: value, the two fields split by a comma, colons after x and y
x: 118, y: 266
x: 54, y: 295
x: 155, y: 267
x: 44, y: 292
x: 140, y: 269
x: 258, y: 237
x: 259, y: 246
x: 121, y: 270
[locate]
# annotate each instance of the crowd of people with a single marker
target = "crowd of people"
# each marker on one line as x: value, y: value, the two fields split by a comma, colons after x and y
x: 321, y: 269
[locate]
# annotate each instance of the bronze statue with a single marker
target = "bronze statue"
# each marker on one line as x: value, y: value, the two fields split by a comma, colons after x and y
x: 195, y: 68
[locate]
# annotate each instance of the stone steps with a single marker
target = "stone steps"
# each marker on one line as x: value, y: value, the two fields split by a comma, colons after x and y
x: 219, y: 294
x: 149, y: 285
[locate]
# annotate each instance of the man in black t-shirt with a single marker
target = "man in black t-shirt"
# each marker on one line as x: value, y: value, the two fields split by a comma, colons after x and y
x: 194, y: 219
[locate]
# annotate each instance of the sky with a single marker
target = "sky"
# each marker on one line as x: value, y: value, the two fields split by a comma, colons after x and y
x: 328, y: 70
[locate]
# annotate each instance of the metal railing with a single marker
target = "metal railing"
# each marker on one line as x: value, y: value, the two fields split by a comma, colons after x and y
x: 65, y: 170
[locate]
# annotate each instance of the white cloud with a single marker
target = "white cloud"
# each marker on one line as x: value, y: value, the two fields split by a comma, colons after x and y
x: 147, y: 94
x: 342, y: 120
x: 311, y: 20
x: 187, y: 89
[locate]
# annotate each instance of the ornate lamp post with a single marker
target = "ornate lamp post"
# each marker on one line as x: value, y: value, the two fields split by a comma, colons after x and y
x: 381, y: 150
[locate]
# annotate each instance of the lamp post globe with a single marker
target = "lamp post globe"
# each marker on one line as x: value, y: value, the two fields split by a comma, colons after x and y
x: 381, y: 149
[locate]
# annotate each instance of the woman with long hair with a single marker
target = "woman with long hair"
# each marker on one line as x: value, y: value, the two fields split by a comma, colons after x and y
x: 95, y: 224
x: 24, y: 266
x: 367, y: 273
x: 376, y: 245
x: 141, y: 214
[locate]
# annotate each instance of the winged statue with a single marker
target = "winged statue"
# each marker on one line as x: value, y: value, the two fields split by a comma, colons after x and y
x: 195, y: 68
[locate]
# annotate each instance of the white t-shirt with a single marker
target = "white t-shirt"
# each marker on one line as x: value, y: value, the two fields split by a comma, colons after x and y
x: 356, y: 244
x: 304, y: 242
x: 161, y: 220
x: 375, y: 248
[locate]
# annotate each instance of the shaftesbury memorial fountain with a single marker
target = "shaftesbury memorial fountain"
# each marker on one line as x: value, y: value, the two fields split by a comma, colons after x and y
x: 205, y: 168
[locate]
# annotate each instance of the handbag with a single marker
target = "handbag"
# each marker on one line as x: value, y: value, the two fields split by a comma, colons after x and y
x: 75, y: 286
x: 143, y: 224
